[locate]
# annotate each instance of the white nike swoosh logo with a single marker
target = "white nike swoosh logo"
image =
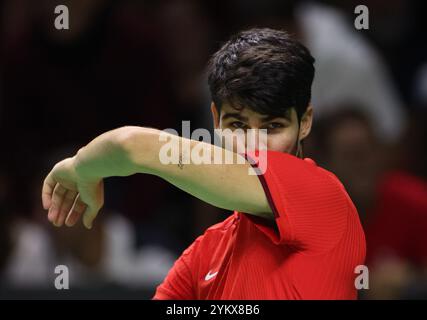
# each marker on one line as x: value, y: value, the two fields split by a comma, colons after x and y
x: 210, y: 275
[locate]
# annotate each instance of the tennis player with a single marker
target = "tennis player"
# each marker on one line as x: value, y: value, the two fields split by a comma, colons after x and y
x: 294, y: 232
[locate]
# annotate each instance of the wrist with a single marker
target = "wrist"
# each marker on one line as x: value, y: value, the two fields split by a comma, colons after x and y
x: 79, y: 166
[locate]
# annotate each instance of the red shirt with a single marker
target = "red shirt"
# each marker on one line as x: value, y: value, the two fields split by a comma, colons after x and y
x: 311, y: 254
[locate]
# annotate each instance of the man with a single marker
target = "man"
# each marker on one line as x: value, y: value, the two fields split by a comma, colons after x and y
x: 294, y: 233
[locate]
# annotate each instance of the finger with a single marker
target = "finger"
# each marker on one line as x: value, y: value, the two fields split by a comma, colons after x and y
x: 57, y: 198
x: 76, y: 212
x: 67, y: 203
x: 93, y: 196
x: 88, y: 216
x: 47, y: 190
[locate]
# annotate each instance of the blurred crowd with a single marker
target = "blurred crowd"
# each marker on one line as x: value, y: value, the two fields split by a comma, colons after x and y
x: 142, y: 63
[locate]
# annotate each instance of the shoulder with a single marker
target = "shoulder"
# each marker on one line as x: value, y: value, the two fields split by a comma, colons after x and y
x: 306, y: 170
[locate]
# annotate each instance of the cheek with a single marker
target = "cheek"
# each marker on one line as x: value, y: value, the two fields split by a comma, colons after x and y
x: 283, y: 142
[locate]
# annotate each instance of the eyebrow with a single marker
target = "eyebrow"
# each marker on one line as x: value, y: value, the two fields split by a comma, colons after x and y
x: 286, y: 116
x: 266, y: 118
x: 235, y: 115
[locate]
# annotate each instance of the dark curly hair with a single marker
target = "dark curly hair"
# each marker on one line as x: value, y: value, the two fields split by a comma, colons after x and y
x: 265, y: 70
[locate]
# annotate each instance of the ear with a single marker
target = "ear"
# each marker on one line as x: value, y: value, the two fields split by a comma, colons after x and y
x: 306, y: 122
x: 215, y: 115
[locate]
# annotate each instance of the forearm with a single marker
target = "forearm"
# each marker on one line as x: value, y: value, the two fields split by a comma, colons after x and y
x: 225, y: 185
x: 107, y: 155
x: 129, y: 150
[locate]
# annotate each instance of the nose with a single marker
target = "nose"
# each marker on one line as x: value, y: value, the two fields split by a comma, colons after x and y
x: 256, y: 139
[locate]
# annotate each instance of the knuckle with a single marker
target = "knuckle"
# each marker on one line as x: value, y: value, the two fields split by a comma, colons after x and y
x: 70, y: 196
x: 60, y: 190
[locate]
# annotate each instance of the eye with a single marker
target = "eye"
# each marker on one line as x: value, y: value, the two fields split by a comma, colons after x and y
x: 238, y: 125
x: 274, y: 125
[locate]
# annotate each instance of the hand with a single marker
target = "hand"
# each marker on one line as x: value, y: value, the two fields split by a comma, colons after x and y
x: 68, y: 196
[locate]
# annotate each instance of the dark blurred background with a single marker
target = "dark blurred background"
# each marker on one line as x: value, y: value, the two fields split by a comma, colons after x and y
x: 142, y: 63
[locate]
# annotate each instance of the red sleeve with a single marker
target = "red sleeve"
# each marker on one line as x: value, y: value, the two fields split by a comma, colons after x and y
x: 178, y: 284
x: 310, y: 205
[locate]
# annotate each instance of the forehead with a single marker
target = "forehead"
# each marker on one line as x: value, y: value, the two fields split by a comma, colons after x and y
x: 247, y: 114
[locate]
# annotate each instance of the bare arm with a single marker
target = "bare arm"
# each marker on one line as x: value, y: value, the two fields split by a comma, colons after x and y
x: 74, y: 186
